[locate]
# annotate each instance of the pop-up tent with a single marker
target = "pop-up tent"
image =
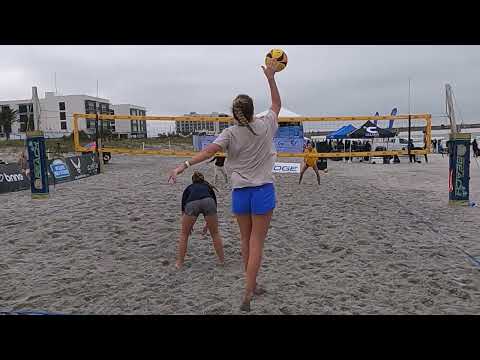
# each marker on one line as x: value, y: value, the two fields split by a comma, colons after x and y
x: 284, y: 112
x: 341, y: 133
x: 369, y: 130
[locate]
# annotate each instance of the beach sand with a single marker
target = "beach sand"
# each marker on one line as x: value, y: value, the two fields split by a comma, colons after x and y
x: 371, y: 239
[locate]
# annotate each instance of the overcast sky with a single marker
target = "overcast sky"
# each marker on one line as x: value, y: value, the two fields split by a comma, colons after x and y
x: 319, y: 80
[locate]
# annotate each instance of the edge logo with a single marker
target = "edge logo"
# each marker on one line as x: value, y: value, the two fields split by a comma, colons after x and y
x: 285, y: 168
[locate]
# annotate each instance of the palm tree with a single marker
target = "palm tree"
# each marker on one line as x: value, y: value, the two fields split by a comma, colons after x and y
x: 7, y: 118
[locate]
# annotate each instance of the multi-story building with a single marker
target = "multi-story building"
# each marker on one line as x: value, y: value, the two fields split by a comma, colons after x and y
x: 194, y: 127
x: 24, y: 110
x: 56, y: 115
x: 132, y: 128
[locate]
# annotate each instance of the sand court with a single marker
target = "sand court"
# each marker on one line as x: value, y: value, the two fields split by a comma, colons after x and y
x: 371, y: 239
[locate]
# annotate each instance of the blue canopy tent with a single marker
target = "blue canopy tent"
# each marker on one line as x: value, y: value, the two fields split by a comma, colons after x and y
x: 341, y: 133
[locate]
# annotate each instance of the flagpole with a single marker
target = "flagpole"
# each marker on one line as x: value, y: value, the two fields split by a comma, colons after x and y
x: 409, y: 124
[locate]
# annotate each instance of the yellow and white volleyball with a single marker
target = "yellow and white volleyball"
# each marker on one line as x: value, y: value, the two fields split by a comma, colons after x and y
x: 277, y: 58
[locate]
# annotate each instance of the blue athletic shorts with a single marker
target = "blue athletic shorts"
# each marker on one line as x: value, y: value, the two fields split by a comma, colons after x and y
x: 256, y: 200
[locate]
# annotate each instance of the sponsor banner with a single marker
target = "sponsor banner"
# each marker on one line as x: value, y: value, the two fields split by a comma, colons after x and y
x: 286, y: 168
x: 59, y: 171
x: 290, y: 132
x: 288, y: 139
x: 206, y: 140
x: 12, y: 178
x: 82, y: 166
x: 291, y: 144
x: 38, y: 164
x: 201, y: 141
x: 459, y: 169
x: 371, y: 131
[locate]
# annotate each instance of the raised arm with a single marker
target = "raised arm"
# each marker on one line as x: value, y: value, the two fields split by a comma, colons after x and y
x: 276, y: 101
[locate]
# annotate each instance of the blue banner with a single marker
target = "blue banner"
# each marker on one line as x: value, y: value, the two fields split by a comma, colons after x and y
x: 287, y: 139
x: 289, y: 131
x: 37, y: 159
x: 459, y: 168
x: 291, y: 145
x: 206, y: 140
x: 59, y: 170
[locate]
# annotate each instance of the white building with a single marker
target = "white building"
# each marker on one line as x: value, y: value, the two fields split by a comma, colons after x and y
x: 191, y: 127
x: 56, y: 115
x: 132, y: 128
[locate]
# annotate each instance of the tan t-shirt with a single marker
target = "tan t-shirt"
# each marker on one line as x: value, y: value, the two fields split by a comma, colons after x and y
x: 250, y: 158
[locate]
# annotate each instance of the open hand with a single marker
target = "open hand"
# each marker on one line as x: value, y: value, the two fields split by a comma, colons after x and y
x: 269, y: 71
x: 172, y: 175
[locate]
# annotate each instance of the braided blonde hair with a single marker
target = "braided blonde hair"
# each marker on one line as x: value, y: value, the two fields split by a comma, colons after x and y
x: 242, y: 111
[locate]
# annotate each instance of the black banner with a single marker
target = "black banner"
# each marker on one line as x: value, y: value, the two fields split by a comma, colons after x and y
x: 83, y: 166
x: 60, y: 170
x: 12, y: 178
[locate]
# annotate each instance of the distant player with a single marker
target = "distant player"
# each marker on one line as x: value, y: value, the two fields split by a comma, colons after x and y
x: 199, y: 198
x: 309, y: 161
x: 219, y: 167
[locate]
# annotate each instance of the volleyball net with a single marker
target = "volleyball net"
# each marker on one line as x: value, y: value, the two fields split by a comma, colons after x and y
x: 184, y: 136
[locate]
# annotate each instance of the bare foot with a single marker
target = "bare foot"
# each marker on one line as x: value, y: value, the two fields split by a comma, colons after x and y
x: 178, y: 264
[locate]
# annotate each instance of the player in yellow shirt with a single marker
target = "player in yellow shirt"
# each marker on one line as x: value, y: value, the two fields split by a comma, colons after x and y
x: 310, y: 161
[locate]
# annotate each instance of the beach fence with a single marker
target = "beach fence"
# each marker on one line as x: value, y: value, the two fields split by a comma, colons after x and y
x: 288, y: 141
x: 60, y: 169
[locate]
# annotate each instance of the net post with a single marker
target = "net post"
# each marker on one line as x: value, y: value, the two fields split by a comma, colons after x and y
x: 429, y: 133
x: 76, y: 138
x: 409, y: 146
x: 459, y: 168
x: 98, y: 145
x: 37, y: 160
